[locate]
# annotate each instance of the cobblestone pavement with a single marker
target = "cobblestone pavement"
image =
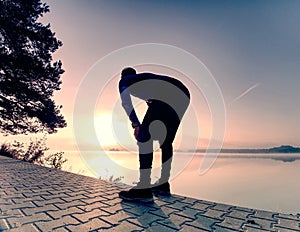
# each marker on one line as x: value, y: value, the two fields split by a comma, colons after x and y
x: 35, y: 198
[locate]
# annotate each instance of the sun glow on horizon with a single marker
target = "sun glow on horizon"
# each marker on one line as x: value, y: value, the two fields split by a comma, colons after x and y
x: 113, y: 132
x: 104, y: 130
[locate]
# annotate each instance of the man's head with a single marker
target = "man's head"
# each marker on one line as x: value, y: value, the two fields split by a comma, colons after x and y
x: 127, y: 71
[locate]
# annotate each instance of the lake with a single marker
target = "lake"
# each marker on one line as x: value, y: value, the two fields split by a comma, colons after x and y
x: 260, y: 181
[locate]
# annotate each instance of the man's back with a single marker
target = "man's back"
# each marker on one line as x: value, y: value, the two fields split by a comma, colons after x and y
x: 144, y: 85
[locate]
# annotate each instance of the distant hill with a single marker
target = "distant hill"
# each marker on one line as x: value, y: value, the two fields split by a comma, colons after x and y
x: 281, y: 149
x: 284, y: 149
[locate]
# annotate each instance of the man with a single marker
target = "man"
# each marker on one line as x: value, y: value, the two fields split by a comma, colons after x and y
x: 167, y: 100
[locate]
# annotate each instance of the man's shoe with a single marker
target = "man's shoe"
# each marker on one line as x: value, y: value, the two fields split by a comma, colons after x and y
x: 161, y: 189
x: 137, y: 195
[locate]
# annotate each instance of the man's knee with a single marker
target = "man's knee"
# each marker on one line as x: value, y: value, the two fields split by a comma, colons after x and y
x: 143, y: 135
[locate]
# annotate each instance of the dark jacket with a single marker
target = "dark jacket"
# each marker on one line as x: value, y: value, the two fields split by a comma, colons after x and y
x: 152, y: 87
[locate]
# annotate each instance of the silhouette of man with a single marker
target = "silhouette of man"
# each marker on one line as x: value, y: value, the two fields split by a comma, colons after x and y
x: 167, y: 100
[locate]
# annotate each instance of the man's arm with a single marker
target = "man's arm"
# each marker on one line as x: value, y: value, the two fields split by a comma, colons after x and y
x: 127, y: 103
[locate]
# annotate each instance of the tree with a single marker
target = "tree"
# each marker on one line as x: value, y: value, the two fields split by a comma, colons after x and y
x: 28, y: 74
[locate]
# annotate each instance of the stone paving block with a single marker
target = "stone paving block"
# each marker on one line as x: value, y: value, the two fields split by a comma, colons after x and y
x: 5, y: 201
x: 23, y: 205
x: 94, y: 199
x: 236, y: 213
x: 49, y: 196
x: 188, y: 228
x: 67, y: 205
x: 32, y: 194
x: 148, y: 219
x: 94, y: 194
x: 117, y: 218
x: 261, y: 223
x: 250, y: 228
x: 163, y: 212
x: 42, y: 203
x: 125, y: 226
x: 169, y: 200
x: 199, y: 206
x: 231, y: 223
x: 155, y: 227
x: 178, y: 205
x: 74, y: 198
x: 41, y: 188
x: 3, y: 225
x: 61, y: 229
x: 112, y: 209
x: 86, y: 216
x: 25, y: 228
x: 136, y: 209
x: 216, y: 214
x: 10, y: 213
x: 31, y: 211
x: 77, y: 193
x: 64, y: 212
x: 288, y: 216
x: 168, y: 223
x: 10, y: 196
x: 203, y: 222
x: 90, y: 207
x: 28, y: 190
x: 207, y: 202
x: 20, y: 221
x: 189, y: 201
x: 55, y: 224
x: 134, y: 221
x: 158, y: 202
x: 56, y: 192
x: 189, y: 213
x: 265, y: 215
x: 93, y: 224
x: 22, y: 200
x: 114, y: 201
x: 218, y: 228
x: 178, y: 197
x: 175, y: 220
x: 284, y: 230
x: 284, y: 223
x: 222, y: 207
x: 110, y: 194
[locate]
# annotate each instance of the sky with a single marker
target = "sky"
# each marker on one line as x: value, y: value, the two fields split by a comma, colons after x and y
x: 250, y: 47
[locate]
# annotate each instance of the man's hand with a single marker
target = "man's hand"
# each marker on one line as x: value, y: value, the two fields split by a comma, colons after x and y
x: 136, y: 132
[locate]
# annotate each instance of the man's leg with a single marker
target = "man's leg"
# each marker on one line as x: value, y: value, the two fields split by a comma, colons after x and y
x: 142, y: 192
x: 145, y: 144
x: 166, y: 160
x: 162, y: 186
x: 171, y: 120
x: 145, y: 157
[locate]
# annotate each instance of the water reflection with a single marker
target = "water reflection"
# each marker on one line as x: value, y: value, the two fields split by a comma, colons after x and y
x: 261, y: 181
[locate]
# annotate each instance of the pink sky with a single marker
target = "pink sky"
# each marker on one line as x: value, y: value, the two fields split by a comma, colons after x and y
x: 251, y: 56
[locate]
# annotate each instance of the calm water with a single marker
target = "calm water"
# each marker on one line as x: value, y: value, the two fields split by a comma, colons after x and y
x: 261, y: 181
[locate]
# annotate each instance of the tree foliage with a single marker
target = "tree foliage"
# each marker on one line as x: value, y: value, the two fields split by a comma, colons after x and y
x: 28, y: 74
x: 34, y: 152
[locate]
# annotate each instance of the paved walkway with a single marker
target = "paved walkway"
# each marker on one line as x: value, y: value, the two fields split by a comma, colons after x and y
x: 35, y: 198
